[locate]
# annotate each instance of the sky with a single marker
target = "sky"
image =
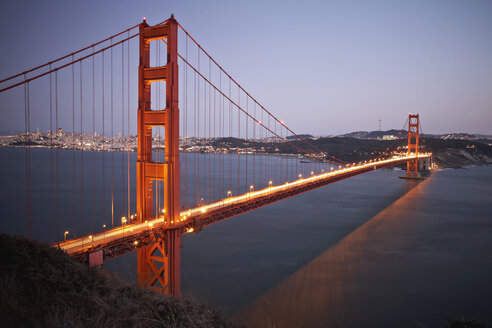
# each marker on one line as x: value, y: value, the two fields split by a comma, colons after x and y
x: 324, y: 67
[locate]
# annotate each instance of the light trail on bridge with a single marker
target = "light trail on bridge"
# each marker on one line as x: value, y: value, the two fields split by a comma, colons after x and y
x: 194, y: 219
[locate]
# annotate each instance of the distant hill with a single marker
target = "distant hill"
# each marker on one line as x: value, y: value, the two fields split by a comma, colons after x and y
x: 376, y: 134
x: 403, y: 134
x: 484, y: 136
x: 300, y: 136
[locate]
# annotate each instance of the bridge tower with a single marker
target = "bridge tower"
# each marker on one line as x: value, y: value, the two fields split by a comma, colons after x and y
x: 158, y: 265
x: 413, y: 145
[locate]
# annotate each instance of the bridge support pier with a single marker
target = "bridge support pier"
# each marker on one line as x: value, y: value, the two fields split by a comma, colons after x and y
x: 158, y: 265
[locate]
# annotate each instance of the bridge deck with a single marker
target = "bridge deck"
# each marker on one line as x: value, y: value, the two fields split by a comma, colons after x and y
x: 126, y: 238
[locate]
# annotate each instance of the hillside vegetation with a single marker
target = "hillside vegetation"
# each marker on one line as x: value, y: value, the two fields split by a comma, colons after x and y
x: 44, y: 287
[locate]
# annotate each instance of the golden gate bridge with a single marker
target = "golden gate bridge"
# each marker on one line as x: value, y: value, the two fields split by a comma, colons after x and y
x: 204, y: 113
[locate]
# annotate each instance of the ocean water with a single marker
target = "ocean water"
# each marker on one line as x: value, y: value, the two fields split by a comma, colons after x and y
x: 370, y: 251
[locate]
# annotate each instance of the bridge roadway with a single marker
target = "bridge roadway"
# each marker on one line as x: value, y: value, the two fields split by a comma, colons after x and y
x: 126, y: 238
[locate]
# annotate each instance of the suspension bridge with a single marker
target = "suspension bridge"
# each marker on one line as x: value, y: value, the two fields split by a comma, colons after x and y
x: 204, y: 148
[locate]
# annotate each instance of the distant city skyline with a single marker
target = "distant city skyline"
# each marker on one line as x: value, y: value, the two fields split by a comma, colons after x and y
x: 325, y: 68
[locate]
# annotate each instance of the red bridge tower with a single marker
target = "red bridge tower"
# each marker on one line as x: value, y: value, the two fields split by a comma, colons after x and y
x: 158, y: 265
x: 413, y: 145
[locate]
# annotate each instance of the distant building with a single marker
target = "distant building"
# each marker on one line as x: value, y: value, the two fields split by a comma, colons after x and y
x: 389, y: 137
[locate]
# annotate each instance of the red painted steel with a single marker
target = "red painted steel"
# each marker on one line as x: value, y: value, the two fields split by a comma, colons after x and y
x: 413, y: 145
x: 158, y: 264
x: 96, y: 258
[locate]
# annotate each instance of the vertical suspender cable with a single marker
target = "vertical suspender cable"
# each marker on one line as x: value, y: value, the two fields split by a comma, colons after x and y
x: 248, y: 143
x: 155, y: 136
x: 215, y: 139
x: 185, y: 136
x: 238, y: 141
x: 104, y: 141
x: 230, y: 136
x: 160, y: 185
x: 156, y: 106
x: 197, y: 182
x: 209, y: 131
x: 254, y: 141
x: 262, y: 141
x: 269, y: 159
x: 159, y: 107
x: 185, y: 121
x: 198, y: 128
x: 52, y: 207
x: 29, y: 156
x: 27, y: 142
x: 112, y: 139
x: 286, y: 162
x: 73, y: 154
x: 121, y: 141
x: 128, y: 124
x: 93, y: 145
x: 194, y: 138
x: 206, y: 116
x: 81, y: 157
x: 204, y: 134
x: 57, y: 162
x: 221, y: 122
x: 275, y: 157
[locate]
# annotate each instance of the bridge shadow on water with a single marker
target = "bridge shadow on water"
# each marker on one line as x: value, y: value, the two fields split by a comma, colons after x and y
x: 319, y: 294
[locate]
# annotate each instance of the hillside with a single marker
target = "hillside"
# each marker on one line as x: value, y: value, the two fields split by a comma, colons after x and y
x: 44, y: 287
x: 447, y: 152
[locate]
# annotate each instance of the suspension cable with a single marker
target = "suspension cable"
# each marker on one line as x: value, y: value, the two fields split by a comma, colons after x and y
x: 66, y: 56
x: 76, y: 60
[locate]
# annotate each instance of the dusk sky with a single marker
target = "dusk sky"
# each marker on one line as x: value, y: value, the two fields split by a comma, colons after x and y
x: 324, y: 67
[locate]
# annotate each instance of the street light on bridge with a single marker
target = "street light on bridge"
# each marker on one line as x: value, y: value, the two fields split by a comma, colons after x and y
x: 65, y: 235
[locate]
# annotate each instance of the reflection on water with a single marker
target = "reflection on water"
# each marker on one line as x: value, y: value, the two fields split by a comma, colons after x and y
x: 317, y: 294
x: 424, y: 258
x: 232, y: 263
